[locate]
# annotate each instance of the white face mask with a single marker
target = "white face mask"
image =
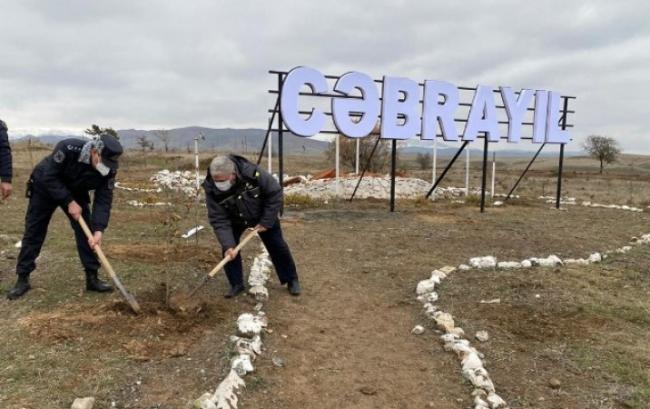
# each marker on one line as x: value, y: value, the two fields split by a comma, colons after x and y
x: 223, y: 186
x: 102, y: 169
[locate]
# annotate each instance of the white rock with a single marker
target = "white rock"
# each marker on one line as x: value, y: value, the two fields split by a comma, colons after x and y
x: 250, y: 325
x: 464, y: 267
x: 83, y: 403
x: 506, y: 265
x: 482, y: 336
x: 526, y: 264
x: 483, y: 262
x: 417, y: 330
x: 595, y: 258
x: 495, y: 401
x: 225, y: 397
x: 444, y: 321
x: 446, y: 270
x: 429, y: 297
x: 259, y: 292
x: 242, y: 364
x: 425, y: 286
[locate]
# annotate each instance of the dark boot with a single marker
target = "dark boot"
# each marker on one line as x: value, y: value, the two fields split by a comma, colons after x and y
x: 93, y: 283
x: 294, y: 287
x: 234, y: 291
x: 21, y: 287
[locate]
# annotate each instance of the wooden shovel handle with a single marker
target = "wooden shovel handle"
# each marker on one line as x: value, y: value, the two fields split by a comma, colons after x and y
x: 97, y: 249
x: 227, y: 259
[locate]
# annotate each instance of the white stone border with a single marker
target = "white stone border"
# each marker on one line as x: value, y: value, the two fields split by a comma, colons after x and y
x: 248, y: 341
x: 472, y: 365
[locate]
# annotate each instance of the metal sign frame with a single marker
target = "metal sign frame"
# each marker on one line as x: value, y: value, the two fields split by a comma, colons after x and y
x: 281, y: 128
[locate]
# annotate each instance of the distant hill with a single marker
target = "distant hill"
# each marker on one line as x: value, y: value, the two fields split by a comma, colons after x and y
x: 250, y: 140
x: 225, y: 139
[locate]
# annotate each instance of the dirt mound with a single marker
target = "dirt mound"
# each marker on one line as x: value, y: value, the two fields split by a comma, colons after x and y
x: 160, y: 331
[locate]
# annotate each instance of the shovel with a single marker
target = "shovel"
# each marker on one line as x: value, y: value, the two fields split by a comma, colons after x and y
x: 102, y: 258
x: 223, y: 262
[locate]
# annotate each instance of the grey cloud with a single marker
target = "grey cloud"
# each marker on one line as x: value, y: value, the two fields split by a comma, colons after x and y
x: 161, y: 64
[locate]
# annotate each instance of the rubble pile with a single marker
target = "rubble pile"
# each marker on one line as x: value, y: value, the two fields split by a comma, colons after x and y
x: 372, y: 187
x: 179, y: 181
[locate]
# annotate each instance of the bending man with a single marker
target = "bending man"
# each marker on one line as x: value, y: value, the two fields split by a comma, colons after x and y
x: 240, y: 195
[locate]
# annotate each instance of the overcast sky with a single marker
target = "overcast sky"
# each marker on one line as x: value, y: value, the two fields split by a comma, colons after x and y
x: 165, y: 64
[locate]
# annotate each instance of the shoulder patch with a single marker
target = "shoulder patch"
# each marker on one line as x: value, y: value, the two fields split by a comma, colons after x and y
x: 59, y: 156
x: 257, y: 173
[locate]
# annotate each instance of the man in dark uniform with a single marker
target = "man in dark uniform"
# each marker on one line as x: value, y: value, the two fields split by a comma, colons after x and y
x: 240, y: 195
x: 5, y: 162
x: 64, y: 179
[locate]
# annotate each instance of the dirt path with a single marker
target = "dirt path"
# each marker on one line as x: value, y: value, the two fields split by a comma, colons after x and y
x: 346, y: 342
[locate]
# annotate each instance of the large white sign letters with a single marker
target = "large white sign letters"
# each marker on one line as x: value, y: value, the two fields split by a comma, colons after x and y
x: 356, y: 112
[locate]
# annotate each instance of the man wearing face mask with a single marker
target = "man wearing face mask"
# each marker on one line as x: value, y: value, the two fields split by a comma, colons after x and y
x: 240, y: 195
x: 64, y: 179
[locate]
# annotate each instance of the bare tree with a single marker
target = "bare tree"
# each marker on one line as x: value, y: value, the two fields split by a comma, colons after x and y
x: 424, y: 160
x: 602, y: 148
x: 144, y: 143
x: 164, y: 136
x: 348, y: 152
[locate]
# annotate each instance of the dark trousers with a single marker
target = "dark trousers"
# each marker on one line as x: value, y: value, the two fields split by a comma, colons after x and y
x: 39, y: 213
x: 278, y: 250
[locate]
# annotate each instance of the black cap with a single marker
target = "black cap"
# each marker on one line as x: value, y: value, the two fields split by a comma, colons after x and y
x: 111, y: 152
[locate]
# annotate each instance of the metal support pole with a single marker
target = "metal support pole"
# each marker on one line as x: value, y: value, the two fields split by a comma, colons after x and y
x: 559, y: 178
x: 198, y: 187
x: 280, y: 146
x: 372, y: 152
x: 393, y: 166
x: 337, y: 165
x: 467, y: 154
x: 494, y: 170
x: 444, y: 172
x: 525, y: 171
x: 356, y: 162
x: 485, y: 159
x: 435, y: 159
x: 267, y: 137
x: 561, y: 164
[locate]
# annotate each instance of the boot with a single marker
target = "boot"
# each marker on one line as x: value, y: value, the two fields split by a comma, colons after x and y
x: 21, y: 287
x: 234, y: 291
x: 294, y: 287
x: 93, y: 283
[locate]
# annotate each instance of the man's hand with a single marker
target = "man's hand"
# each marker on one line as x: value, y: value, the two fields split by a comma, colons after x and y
x: 74, y: 210
x: 231, y: 253
x: 96, y: 240
x: 5, y: 190
x: 260, y: 228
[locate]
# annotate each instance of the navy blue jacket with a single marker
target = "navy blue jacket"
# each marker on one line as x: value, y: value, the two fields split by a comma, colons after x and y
x: 5, y: 154
x: 256, y: 198
x: 63, y: 178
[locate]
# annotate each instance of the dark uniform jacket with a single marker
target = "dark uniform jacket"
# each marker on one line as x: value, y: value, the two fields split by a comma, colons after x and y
x: 63, y: 178
x: 256, y: 198
x: 5, y: 154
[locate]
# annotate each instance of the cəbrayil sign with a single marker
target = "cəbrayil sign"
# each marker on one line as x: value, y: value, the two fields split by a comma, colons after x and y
x: 409, y: 109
